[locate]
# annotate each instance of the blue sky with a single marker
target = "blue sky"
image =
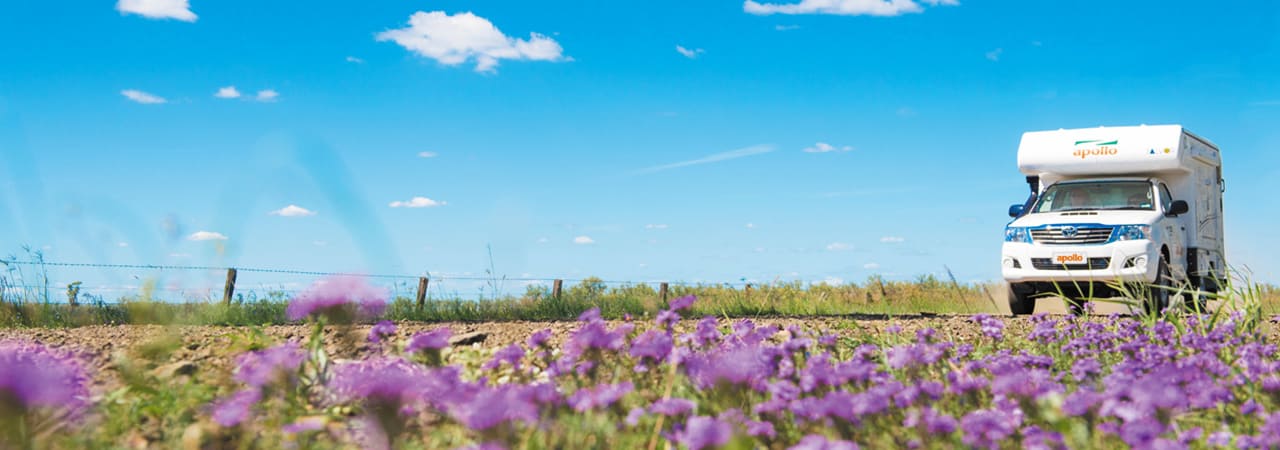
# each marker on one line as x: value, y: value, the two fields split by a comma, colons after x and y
x: 645, y: 141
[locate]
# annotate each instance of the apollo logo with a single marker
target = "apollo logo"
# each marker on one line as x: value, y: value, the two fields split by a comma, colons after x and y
x: 1096, y: 147
x: 1067, y: 259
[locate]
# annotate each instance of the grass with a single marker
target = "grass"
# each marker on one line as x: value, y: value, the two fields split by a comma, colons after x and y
x: 874, y: 296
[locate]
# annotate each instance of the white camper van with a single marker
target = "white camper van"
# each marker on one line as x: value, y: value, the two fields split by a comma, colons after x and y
x: 1112, y: 207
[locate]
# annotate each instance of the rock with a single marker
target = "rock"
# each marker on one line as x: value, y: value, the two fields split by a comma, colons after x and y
x: 475, y: 337
x: 175, y: 369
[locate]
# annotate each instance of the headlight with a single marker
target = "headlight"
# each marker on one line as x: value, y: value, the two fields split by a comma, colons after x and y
x: 1132, y: 232
x: 1017, y: 234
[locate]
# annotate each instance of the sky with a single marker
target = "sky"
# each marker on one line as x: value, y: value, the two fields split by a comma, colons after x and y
x: 708, y: 141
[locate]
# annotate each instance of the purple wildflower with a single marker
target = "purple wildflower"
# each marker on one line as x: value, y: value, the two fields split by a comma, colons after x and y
x: 706, y: 333
x: 652, y: 346
x: 634, y: 416
x: 262, y: 367
x: 339, y: 298
x: 601, y: 396
x: 991, y: 326
x: 382, y: 330
x: 819, y: 442
x: 491, y: 407
x: 756, y: 428
x: 39, y: 378
x: 436, y: 339
x: 539, y: 338
x: 986, y: 428
x: 751, y: 366
x: 511, y: 355
x: 673, y: 406
x: 682, y: 303
x: 305, y: 424
x: 236, y: 408
x: 667, y: 319
x: 705, y: 432
x: 393, y: 382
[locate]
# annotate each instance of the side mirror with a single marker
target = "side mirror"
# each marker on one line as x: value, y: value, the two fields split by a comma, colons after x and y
x: 1177, y: 207
x: 1016, y: 210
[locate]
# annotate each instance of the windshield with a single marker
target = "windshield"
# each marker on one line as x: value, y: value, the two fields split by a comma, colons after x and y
x: 1096, y: 195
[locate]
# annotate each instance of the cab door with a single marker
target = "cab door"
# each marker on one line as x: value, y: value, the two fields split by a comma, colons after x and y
x: 1173, y: 234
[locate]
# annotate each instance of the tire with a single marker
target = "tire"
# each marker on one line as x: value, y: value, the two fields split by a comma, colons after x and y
x: 1158, y: 292
x: 1021, y: 303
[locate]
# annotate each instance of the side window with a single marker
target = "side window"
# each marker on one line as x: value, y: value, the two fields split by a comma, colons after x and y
x: 1165, y: 198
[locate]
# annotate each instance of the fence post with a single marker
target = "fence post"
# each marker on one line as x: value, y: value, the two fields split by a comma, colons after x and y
x: 230, y: 288
x: 423, y: 282
x: 555, y: 288
x: 662, y: 291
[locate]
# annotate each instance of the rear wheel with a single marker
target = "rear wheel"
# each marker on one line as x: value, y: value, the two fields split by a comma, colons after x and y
x: 1158, y: 292
x: 1021, y: 302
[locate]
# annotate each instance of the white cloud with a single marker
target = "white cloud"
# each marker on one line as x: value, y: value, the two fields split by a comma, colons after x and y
x: 355, y: 60
x: 142, y: 97
x: 723, y: 156
x: 158, y: 9
x: 206, y: 236
x: 428, y: 154
x: 994, y: 55
x: 751, y: 225
x: 688, y: 53
x: 839, y: 247
x: 455, y: 39
x: 583, y: 240
x: 227, y: 92
x: 179, y: 255
x: 786, y: 27
x: 543, y: 240
x: 267, y: 95
x: 823, y: 147
x: 871, y: 266
x: 122, y: 244
x: 417, y: 202
x: 656, y: 226
x: 843, y: 7
x: 893, y: 239
x: 293, y: 211
x: 833, y: 281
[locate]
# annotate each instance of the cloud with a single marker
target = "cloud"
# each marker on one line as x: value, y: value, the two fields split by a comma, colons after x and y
x: 843, y: 7
x: 751, y: 225
x: 656, y: 226
x: 994, y: 55
x: 227, y: 92
x: 142, y: 97
x: 832, y: 281
x: 691, y: 54
x: 157, y: 9
x: 455, y: 39
x: 718, y: 157
x: 583, y: 240
x: 417, y: 202
x: 355, y: 60
x: 428, y: 154
x: 839, y: 247
x: 543, y: 240
x: 122, y: 244
x: 823, y: 147
x: 267, y: 95
x: 786, y: 27
x: 871, y: 266
x: 206, y: 236
x: 293, y: 211
x: 893, y: 239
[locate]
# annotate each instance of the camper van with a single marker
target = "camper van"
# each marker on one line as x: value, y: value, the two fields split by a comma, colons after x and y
x: 1115, y: 208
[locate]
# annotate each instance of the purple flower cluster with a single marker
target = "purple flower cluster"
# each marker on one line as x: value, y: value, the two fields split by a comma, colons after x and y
x: 262, y: 367
x: 339, y: 298
x: 42, y: 380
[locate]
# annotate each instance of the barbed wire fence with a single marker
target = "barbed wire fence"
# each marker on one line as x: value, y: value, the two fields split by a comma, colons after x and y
x: 417, y: 287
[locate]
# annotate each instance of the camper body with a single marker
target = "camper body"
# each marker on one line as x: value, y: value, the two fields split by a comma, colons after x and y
x: 1122, y: 206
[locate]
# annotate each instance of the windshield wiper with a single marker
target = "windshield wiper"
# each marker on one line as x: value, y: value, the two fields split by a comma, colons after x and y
x: 1124, y: 208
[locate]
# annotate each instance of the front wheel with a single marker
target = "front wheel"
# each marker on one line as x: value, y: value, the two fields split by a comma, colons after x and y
x: 1021, y: 302
x: 1158, y: 292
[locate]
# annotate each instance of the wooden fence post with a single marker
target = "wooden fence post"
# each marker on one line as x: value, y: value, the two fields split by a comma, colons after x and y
x: 230, y: 288
x: 555, y: 288
x: 662, y: 291
x: 423, y: 282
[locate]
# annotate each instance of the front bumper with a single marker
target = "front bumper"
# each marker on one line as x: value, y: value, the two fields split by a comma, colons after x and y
x: 1117, y: 254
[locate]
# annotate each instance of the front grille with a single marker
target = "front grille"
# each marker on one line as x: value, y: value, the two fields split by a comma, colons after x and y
x: 1085, y: 234
x: 1048, y: 264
